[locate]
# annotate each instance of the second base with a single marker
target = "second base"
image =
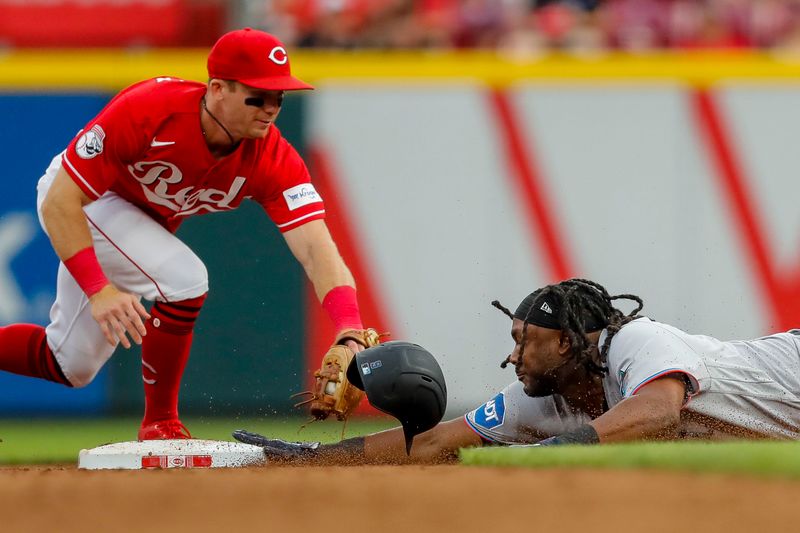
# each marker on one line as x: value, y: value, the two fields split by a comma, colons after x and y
x: 178, y: 453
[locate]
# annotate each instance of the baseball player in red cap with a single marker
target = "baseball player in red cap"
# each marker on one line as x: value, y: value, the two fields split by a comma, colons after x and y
x: 160, y: 151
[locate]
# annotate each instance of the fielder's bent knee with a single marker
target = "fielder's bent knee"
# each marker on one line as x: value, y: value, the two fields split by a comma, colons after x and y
x: 195, y: 280
x: 185, y: 277
x: 79, y: 372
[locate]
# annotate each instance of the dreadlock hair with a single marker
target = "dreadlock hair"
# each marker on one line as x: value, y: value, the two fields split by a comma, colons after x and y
x: 576, y: 305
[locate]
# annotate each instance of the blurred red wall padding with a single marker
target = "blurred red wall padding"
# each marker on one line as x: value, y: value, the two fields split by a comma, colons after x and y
x: 82, y: 23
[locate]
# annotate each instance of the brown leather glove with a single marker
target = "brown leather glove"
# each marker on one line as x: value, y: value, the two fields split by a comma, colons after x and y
x: 365, y: 337
x: 333, y: 393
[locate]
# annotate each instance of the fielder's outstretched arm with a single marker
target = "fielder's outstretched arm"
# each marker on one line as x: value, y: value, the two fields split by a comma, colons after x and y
x: 314, y: 249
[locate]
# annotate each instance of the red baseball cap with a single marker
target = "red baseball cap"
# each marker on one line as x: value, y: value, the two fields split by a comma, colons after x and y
x: 254, y: 58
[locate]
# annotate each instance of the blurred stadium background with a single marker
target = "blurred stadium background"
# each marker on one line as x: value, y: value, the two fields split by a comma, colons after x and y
x: 467, y: 149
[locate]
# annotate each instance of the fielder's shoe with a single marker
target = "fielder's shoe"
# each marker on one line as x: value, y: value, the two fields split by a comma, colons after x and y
x: 164, y: 430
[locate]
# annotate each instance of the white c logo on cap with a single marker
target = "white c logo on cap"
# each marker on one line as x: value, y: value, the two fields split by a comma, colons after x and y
x: 279, y: 60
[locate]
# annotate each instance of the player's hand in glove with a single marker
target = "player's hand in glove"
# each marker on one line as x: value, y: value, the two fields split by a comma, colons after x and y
x: 277, y: 449
x: 358, y: 339
x: 333, y: 393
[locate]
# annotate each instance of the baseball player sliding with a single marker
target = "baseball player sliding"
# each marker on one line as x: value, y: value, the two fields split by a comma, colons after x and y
x: 160, y: 151
x: 589, y: 373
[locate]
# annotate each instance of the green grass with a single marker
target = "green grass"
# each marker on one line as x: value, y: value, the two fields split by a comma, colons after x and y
x: 39, y: 441
x: 774, y: 459
x: 58, y: 441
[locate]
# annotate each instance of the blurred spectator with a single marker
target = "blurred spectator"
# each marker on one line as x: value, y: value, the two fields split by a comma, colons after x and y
x: 532, y: 26
x: 716, y: 24
x: 518, y: 27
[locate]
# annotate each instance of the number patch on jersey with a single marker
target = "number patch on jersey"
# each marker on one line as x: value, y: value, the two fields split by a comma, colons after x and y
x: 491, y: 414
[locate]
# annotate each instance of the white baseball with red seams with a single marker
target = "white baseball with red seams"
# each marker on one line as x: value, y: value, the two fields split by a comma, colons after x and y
x: 145, y: 163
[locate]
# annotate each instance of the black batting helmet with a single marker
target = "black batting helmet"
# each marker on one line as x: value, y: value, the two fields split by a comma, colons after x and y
x: 404, y: 380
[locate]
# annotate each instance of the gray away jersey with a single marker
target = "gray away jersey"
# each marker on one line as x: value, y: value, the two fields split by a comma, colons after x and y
x: 736, y: 389
x: 513, y: 417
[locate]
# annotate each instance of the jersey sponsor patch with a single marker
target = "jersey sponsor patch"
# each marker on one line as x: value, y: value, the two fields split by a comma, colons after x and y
x: 90, y: 144
x: 301, y: 195
x: 491, y: 414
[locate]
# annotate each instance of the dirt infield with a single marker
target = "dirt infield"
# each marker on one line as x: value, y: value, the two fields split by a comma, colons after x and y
x: 390, y: 499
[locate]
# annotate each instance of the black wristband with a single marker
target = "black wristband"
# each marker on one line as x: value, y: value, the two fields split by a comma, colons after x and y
x: 584, y: 434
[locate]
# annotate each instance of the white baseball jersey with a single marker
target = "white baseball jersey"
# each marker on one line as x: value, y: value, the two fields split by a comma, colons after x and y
x: 736, y: 389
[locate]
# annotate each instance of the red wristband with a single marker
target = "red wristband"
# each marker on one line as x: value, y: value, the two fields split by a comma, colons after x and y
x: 342, y: 306
x: 86, y: 270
